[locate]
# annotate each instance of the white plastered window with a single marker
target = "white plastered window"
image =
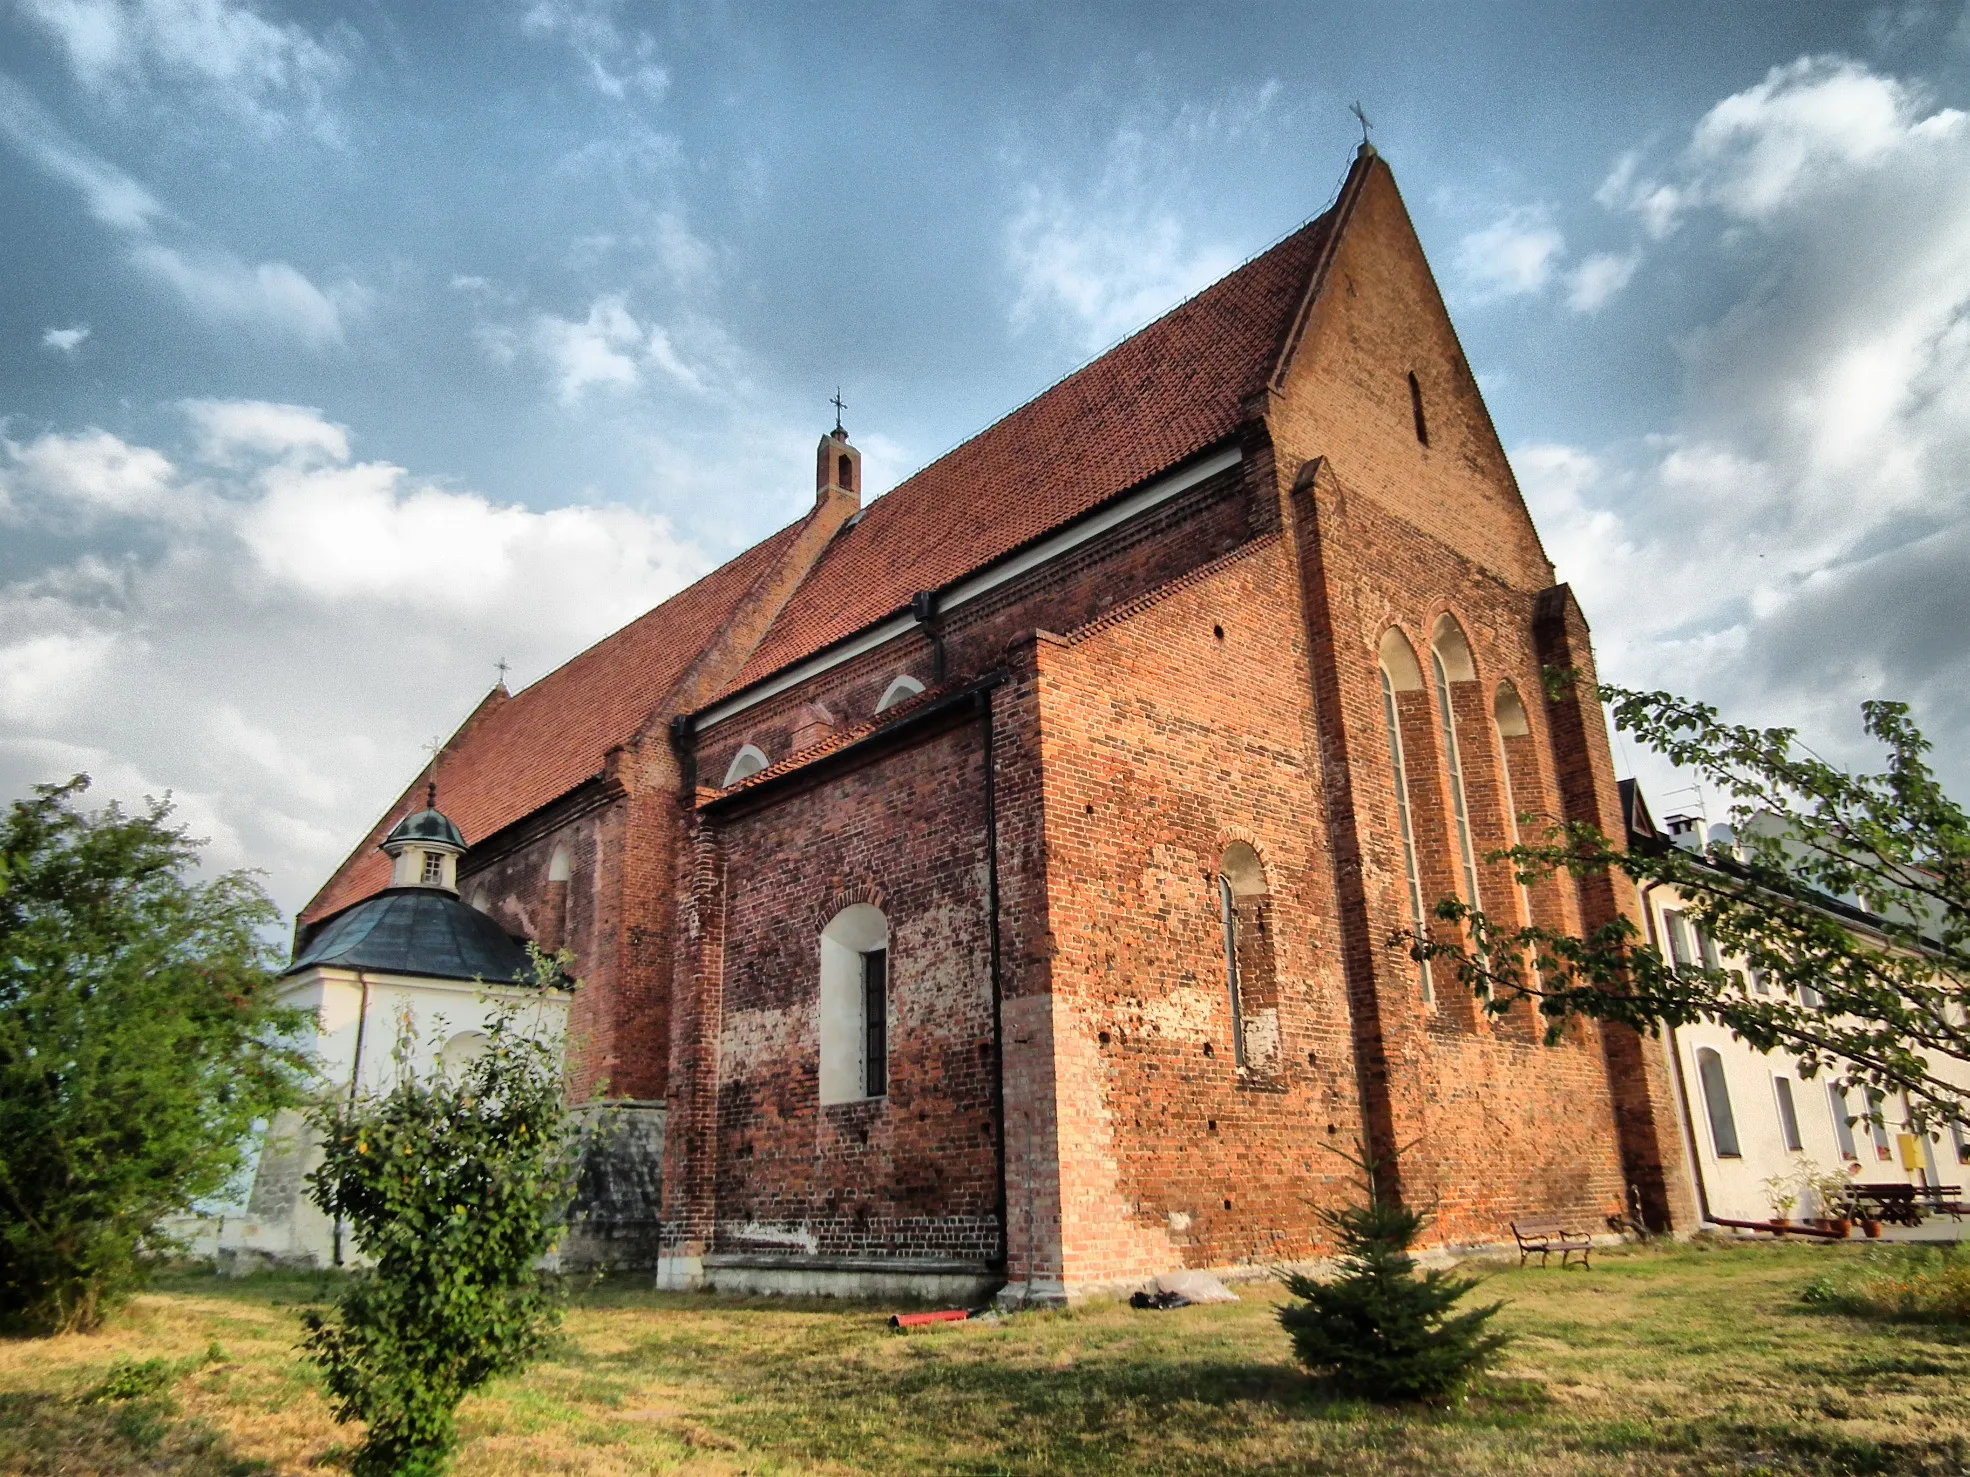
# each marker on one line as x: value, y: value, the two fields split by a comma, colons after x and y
x: 854, y: 1005
x: 747, y: 761
x: 901, y: 690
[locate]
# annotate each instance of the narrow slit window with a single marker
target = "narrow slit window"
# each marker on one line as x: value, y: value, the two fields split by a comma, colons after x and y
x: 875, y: 1023
x: 1788, y: 1114
x: 1466, y: 853
x: 1843, y: 1124
x: 1416, y: 409
x: 1717, y: 1103
x: 845, y: 474
x: 1408, y: 832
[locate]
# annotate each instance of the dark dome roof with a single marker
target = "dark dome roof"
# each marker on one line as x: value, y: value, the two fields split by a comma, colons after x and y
x: 426, y: 825
x: 418, y: 930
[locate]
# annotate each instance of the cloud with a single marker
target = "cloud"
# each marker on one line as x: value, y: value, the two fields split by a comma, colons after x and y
x: 1110, y: 254
x: 1807, y: 128
x: 277, y: 660
x: 1791, y: 538
x: 214, y: 282
x: 87, y: 476
x: 610, y: 347
x: 619, y: 64
x: 65, y: 341
x: 223, y: 53
x: 1591, y: 285
x: 228, y: 428
x: 1512, y: 256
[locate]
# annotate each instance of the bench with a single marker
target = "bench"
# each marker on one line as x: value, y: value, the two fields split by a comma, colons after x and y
x: 1546, y: 1235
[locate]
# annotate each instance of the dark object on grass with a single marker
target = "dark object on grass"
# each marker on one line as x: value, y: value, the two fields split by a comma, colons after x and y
x: 1159, y: 1300
x: 1383, y: 1330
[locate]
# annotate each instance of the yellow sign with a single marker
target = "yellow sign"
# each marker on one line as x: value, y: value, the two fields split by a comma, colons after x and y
x: 1909, y: 1148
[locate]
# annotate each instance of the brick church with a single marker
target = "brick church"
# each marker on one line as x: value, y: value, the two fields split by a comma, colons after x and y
x: 990, y: 884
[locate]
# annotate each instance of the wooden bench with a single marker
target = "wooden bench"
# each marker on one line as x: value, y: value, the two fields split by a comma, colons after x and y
x: 1546, y: 1235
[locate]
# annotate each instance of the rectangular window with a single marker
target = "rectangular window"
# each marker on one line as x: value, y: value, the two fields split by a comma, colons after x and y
x: 434, y: 869
x: 1717, y: 1100
x: 1672, y: 930
x: 1811, y: 998
x: 1709, y: 947
x: 1877, y: 1126
x: 1962, y: 1142
x: 1788, y: 1116
x: 875, y: 1023
x: 1761, y: 982
x: 1843, y: 1131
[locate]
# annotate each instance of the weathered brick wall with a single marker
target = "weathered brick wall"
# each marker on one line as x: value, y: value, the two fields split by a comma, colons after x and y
x: 508, y: 880
x: 912, y: 1173
x: 1168, y: 735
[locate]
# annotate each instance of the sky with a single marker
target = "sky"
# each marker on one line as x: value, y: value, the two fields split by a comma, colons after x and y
x: 349, y: 350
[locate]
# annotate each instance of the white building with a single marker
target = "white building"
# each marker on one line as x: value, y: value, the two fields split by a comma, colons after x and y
x: 1751, y: 1117
x: 413, y: 964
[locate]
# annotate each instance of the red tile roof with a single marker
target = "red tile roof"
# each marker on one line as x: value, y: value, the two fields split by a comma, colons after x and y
x: 1173, y: 389
x: 546, y: 739
x: 1179, y: 386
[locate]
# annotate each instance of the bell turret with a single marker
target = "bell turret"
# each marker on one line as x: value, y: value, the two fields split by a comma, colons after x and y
x: 424, y: 848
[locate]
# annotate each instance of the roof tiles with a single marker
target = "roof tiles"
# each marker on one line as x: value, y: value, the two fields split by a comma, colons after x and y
x: 1175, y: 388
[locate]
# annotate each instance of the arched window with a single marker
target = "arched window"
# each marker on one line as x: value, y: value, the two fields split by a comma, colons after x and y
x: 1251, y: 981
x: 901, y: 690
x: 747, y: 761
x: 1450, y: 660
x: 460, y: 1052
x: 1400, y: 674
x: 854, y: 1028
x: 845, y: 473
x: 1508, y: 720
x: 1717, y: 1103
x: 557, y: 865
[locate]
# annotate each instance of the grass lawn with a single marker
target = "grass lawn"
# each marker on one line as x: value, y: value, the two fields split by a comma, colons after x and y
x: 1680, y: 1360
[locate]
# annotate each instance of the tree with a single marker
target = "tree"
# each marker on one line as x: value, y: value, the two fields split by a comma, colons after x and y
x: 1848, y: 896
x: 1381, y: 1329
x: 455, y: 1188
x: 139, y: 1042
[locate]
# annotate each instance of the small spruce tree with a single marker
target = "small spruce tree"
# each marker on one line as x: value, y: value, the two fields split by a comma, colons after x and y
x: 456, y: 1188
x: 1383, y: 1330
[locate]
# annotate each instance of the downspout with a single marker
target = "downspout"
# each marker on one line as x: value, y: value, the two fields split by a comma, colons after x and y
x: 355, y: 1078
x: 923, y: 605
x: 984, y: 700
x: 1682, y: 1083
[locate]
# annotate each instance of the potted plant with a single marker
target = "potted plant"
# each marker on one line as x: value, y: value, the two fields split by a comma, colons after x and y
x: 1830, y: 1199
x: 1781, y: 1193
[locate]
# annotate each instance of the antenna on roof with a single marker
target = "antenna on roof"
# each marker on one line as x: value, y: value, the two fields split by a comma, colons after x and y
x: 839, y: 406
x: 1362, y: 119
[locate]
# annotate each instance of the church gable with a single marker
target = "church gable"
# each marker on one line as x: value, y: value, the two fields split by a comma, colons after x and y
x: 1376, y: 382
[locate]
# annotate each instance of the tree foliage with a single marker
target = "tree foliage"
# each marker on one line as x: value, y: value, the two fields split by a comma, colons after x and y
x: 454, y: 1188
x: 1383, y: 1330
x: 1846, y: 897
x: 139, y: 1042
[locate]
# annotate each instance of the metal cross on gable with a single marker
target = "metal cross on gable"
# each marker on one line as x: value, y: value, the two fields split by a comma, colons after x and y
x: 502, y: 664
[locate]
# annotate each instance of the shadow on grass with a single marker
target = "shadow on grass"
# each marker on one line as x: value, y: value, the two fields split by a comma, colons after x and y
x: 48, y: 1436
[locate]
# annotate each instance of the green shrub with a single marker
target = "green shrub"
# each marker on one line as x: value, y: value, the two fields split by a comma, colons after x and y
x: 1382, y: 1330
x: 456, y: 1190
x: 139, y: 1042
x: 1930, y: 1285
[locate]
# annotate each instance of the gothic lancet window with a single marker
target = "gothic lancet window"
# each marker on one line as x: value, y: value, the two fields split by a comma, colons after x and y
x: 1450, y: 657
x: 1251, y: 979
x: 1399, y: 673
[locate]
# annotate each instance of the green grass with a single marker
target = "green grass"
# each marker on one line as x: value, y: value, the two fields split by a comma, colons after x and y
x: 1682, y: 1360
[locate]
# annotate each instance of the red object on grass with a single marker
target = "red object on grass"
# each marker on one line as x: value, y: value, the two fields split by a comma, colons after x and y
x: 917, y: 1320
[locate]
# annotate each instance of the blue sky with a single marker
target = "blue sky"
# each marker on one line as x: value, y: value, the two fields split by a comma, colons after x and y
x: 347, y: 349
